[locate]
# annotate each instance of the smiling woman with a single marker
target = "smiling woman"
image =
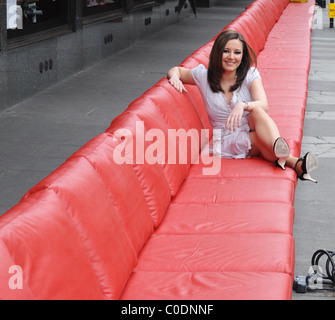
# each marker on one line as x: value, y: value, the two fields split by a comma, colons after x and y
x: 237, y: 106
x: 231, y: 57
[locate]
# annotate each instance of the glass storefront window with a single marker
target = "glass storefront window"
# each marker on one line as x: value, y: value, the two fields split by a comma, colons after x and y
x: 100, y: 6
x: 29, y: 16
x: 94, y: 3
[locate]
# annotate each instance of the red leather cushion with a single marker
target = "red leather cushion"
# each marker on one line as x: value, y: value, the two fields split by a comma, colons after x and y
x: 235, y: 168
x: 235, y: 252
x: 193, y: 125
x: 143, y: 109
x: 279, y: 44
x: 257, y: 17
x: 293, y: 129
x: 13, y: 285
x: 292, y: 132
x: 134, y: 186
x: 77, y: 177
x: 271, y: 9
x: 257, y: 10
x: 294, y: 28
x: 184, y: 104
x: 201, y: 190
x: 191, y: 62
x: 199, y: 56
x: 267, y: 59
x: 234, y: 217
x: 155, y: 188
x: 208, y: 286
x: 282, y: 105
x: 282, y: 4
x: 284, y: 79
x: 202, y: 55
x: 113, y: 230
x: 251, y: 29
x: 160, y: 115
x: 300, y: 11
x: 43, y: 239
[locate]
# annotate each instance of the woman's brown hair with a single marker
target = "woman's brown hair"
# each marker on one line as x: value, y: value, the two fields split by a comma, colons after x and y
x: 215, y: 69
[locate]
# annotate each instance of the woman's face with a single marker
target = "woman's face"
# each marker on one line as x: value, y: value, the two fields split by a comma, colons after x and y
x: 232, y: 55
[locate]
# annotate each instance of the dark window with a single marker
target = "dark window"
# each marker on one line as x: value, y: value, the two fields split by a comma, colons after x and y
x: 100, y: 6
x: 35, y: 16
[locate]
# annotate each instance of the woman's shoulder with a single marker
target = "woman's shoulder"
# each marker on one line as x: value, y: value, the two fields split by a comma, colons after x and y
x: 200, y: 68
x: 253, y: 71
x: 199, y: 74
x: 252, y: 75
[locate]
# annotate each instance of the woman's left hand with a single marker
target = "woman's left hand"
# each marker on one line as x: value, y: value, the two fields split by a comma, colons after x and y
x: 235, y: 116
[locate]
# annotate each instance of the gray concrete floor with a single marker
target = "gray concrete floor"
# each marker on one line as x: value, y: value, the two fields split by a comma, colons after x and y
x: 39, y: 134
x: 314, y: 225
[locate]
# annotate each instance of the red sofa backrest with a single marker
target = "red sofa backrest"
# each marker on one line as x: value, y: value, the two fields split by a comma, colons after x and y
x: 41, y: 237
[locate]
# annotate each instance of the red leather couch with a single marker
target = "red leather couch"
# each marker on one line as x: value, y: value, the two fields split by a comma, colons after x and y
x: 96, y: 229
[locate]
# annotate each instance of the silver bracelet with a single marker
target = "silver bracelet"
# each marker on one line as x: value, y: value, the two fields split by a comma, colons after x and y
x: 247, y: 109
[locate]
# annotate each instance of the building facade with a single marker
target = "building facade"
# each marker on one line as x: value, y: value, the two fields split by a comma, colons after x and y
x: 45, y: 41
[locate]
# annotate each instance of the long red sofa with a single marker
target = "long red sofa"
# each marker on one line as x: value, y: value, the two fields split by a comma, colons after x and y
x: 97, y: 228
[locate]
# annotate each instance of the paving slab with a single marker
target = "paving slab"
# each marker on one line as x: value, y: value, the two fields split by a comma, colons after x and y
x: 314, y: 222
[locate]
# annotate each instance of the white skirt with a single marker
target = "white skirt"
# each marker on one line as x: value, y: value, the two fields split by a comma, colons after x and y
x: 231, y: 144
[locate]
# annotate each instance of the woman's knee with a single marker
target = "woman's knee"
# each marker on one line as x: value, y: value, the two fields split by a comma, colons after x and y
x: 256, y: 115
x: 261, y: 117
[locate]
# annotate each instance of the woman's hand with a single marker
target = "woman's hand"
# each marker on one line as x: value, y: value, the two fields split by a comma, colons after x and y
x: 177, y: 84
x: 235, y: 116
x: 177, y: 76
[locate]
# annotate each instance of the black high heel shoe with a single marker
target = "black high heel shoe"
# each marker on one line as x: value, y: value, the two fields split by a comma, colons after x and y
x: 282, y: 152
x: 309, y: 163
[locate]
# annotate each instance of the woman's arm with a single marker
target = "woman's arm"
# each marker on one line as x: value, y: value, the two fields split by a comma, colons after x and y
x: 258, y: 95
x: 259, y: 100
x: 178, y: 76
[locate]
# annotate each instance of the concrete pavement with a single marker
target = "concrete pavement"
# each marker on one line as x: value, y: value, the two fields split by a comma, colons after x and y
x: 314, y: 224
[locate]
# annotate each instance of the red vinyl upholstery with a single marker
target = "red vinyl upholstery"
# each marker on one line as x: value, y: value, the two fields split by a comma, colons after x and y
x: 109, y: 224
